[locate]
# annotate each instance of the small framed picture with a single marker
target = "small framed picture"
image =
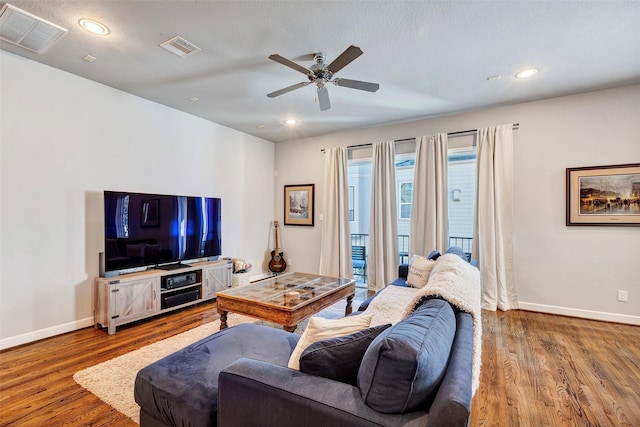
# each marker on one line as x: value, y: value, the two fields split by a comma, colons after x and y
x: 604, y: 195
x: 299, y: 204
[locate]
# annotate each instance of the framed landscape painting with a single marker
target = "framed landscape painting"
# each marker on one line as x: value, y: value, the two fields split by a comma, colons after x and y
x: 604, y: 195
x: 298, y: 204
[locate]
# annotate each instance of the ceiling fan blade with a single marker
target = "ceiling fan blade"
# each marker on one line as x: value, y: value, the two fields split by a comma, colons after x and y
x: 357, y: 84
x: 289, y: 63
x: 351, y: 53
x: 287, y: 89
x: 323, y: 98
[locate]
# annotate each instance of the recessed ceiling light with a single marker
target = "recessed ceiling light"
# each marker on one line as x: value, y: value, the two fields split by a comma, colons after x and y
x: 290, y: 122
x: 94, y: 26
x: 530, y: 72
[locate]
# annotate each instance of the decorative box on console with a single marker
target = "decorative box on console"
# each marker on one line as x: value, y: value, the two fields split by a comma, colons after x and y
x: 239, y: 279
x: 241, y: 269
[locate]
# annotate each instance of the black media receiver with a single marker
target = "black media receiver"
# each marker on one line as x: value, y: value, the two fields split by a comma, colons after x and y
x: 178, y: 280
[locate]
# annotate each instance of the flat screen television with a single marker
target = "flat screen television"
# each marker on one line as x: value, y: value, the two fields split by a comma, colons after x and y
x: 155, y: 230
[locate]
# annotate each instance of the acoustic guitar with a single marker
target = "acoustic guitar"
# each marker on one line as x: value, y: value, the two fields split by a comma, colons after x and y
x: 277, y: 263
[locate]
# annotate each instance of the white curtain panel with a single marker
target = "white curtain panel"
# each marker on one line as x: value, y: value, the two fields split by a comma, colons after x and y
x: 493, y: 228
x: 383, y: 228
x: 429, y: 210
x: 335, y: 252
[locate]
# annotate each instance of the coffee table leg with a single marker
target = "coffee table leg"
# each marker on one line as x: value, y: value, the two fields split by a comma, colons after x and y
x: 348, y: 309
x: 223, y: 319
x: 290, y: 328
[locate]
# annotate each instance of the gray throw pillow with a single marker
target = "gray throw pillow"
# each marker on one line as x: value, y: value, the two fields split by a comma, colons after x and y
x: 339, y: 358
x: 403, y: 367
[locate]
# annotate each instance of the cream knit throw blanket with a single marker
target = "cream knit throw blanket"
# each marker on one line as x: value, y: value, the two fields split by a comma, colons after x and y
x: 452, y: 279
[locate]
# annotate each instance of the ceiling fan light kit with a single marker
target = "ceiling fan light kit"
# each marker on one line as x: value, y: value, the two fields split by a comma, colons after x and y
x: 321, y: 74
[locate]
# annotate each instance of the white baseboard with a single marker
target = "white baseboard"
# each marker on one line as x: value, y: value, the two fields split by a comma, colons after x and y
x: 541, y: 308
x: 45, y: 333
x: 585, y: 314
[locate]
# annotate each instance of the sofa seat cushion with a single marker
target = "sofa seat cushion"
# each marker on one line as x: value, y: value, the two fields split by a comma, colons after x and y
x: 182, y: 388
x: 339, y: 358
x: 403, y: 367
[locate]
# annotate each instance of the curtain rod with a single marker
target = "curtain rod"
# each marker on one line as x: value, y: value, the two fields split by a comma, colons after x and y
x: 462, y: 132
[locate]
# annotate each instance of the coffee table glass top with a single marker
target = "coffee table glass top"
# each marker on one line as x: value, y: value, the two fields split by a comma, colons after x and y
x: 288, y: 290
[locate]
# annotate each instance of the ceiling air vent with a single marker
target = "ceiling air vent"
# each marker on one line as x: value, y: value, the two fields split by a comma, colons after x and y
x: 28, y: 31
x: 179, y: 46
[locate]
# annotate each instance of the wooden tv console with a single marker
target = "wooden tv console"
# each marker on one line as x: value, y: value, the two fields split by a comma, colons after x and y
x: 135, y: 296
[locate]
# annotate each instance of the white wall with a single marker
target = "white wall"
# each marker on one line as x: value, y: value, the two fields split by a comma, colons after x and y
x: 63, y: 140
x: 567, y: 270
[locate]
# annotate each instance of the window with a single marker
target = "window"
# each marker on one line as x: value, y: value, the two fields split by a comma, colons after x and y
x: 461, y: 190
x: 406, y: 198
x: 461, y: 185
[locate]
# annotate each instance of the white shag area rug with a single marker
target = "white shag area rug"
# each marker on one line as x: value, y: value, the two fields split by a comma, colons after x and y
x: 112, y: 381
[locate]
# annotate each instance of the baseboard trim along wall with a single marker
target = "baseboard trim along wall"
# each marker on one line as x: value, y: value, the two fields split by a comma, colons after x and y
x: 45, y: 333
x: 585, y: 314
x: 541, y: 308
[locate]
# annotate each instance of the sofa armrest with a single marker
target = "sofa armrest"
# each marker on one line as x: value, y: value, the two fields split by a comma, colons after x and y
x: 452, y: 404
x: 252, y: 392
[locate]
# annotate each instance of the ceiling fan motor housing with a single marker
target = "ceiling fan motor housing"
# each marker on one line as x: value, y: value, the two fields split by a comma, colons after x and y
x: 319, y: 73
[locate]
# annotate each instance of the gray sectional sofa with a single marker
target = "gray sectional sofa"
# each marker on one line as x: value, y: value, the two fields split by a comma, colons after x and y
x: 417, y: 372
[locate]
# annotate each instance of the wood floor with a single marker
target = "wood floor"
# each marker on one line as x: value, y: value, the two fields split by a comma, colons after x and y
x: 546, y: 370
x: 538, y: 370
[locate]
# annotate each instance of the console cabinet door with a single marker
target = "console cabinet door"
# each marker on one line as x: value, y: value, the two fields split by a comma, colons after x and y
x: 135, y: 299
x: 216, y: 278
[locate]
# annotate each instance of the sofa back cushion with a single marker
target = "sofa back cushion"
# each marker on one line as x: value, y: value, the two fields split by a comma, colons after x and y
x: 458, y: 251
x: 403, y: 367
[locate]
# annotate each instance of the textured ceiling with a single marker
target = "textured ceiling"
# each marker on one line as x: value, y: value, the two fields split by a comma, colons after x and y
x: 430, y: 58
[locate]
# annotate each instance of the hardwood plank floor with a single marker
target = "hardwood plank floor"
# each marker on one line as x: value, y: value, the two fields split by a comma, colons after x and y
x: 546, y: 370
x: 36, y: 380
x: 538, y: 370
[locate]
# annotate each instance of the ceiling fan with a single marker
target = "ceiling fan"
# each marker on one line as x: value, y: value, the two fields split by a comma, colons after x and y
x: 321, y: 73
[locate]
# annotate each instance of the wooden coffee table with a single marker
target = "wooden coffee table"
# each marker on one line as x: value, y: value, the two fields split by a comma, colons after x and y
x: 286, y: 299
